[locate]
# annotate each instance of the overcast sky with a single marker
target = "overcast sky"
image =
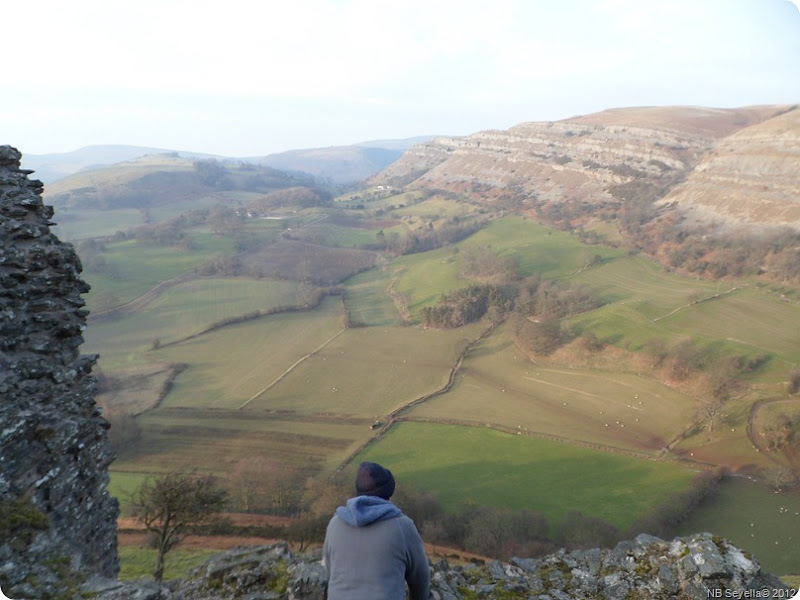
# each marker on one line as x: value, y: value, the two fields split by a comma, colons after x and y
x: 253, y: 77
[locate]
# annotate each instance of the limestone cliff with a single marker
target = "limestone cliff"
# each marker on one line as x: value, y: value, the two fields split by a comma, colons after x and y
x: 57, y: 521
x: 738, y: 164
x: 751, y: 177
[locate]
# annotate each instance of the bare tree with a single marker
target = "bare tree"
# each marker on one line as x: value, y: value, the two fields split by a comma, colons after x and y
x: 709, y: 414
x: 168, y: 505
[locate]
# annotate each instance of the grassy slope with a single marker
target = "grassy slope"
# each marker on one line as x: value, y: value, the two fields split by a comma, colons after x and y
x: 135, y: 268
x: 474, y: 465
x: 499, y: 385
x: 368, y: 301
x: 320, y: 411
x: 756, y: 519
x: 183, y: 310
x: 228, y: 366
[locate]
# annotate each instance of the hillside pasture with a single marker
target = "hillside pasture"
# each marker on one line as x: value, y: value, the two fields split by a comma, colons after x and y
x: 369, y: 372
x: 182, y: 310
x: 329, y: 234
x: 749, y: 321
x: 464, y: 465
x: 536, y: 249
x: 322, y: 265
x: 532, y: 248
x: 374, y: 199
x: 643, y: 284
x: 73, y: 225
x: 219, y: 440
x: 368, y: 301
x: 422, y: 278
x: 228, y: 366
x: 498, y: 385
x: 753, y: 517
x: 436, y: 208
x: 133, y: 268
x: 117, y: 174
x: 646, y: 302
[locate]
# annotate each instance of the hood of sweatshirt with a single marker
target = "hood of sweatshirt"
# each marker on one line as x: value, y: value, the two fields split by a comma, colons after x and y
x: 365, y: 510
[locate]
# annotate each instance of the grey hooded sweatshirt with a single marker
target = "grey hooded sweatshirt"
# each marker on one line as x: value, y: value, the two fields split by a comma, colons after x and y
x: 370, y: 549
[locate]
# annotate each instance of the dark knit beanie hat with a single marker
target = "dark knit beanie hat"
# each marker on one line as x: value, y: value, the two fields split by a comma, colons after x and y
x: 374, y: 480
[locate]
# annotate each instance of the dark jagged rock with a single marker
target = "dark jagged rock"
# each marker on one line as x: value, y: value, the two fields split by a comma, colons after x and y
x: 57, y: 521
x: 687, y: 568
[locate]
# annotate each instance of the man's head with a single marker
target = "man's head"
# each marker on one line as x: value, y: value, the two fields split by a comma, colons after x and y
x: 374, y: 480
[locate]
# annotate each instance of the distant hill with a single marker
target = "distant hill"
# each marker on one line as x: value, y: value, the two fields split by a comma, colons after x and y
x: 338, y: 164
x: 716, y: 165
x: 343, y: 164
x: 51, y: 167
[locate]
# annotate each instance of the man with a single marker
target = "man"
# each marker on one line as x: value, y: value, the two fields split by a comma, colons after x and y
x: 371, y: 547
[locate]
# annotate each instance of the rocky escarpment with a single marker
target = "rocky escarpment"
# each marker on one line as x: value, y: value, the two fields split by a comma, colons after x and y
x: 748, y: 178
x: 688, y: 568
x: 57, y: 521
x: 618, y: 156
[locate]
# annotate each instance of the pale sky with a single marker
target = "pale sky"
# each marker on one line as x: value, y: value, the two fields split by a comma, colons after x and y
x: 254, y: 77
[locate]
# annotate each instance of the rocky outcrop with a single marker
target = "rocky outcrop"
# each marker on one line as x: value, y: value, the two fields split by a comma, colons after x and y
x: 57, y: 521
x: 690, y: 568
x: 736, y: 163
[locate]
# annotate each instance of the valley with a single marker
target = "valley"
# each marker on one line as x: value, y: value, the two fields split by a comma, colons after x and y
x: 603, y: 381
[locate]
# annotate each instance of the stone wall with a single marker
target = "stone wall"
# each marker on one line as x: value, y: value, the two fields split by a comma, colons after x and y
x: 57, y: 521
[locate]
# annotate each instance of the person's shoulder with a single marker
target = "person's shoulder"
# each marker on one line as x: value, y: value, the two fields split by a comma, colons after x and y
x: 406, y: 521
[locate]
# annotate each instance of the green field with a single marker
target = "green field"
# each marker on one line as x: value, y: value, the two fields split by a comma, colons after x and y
x: 122, y: 485
x: 369, y: 372
x: 217, y: 441
x: 368, y: 302
x: 499, y: 385
x: 73, y: 225
x: 475, y: 465
x: 298, y: 388
x: 228, y: 366
x: 536, y: 249
x: 756, y: 519
x: 645, y: 302
x: 423, y: 278
x: 134, y: 267
x: 436, y: 208
x: 183, y: 310
x: 306, y: 400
